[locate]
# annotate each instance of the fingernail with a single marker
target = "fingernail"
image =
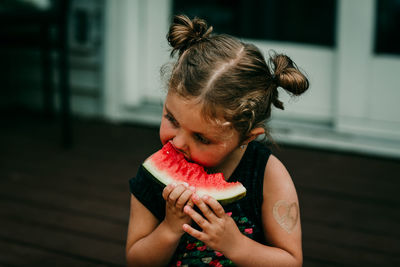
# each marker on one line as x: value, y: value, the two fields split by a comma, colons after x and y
x: 192, y: 188
x: 174, y: 184
x: 205, y: 197
x: 185, y: 184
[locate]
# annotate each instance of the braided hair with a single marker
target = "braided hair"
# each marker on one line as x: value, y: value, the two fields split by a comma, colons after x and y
x: 230, y: 78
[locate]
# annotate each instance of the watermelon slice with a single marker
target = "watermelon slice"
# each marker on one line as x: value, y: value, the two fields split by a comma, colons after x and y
x: 168, y: 165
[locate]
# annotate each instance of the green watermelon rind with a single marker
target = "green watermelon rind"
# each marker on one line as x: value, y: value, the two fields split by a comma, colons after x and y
x: 225, y: 196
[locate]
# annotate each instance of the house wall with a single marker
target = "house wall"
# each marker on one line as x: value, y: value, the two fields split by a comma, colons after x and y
x: 21, y: 67
x: 115, y: 74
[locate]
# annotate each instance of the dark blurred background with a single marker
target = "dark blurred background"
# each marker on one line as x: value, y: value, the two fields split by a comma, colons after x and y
x: 81, y: 97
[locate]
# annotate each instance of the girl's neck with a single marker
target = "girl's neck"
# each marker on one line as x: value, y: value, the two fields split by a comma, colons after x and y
x: 228, y: 166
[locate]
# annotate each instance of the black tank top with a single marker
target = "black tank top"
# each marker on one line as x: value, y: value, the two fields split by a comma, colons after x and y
x: 246, y: 212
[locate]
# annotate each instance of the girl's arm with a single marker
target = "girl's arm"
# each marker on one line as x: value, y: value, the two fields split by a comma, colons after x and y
x: 281, y: 222
x: 149, y: 242
x: 280, y: 219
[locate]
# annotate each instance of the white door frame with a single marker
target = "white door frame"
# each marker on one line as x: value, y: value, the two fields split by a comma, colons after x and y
x: 342, y: 111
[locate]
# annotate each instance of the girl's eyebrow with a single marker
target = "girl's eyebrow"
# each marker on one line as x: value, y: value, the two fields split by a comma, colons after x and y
x: 169, y: 112
x: 205, y: 135
x: 166, y: 108
x: 170, y: 115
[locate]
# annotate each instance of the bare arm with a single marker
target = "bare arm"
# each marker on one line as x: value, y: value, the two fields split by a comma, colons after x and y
x: 281, y: 223
x: 149, y: 242
x: 280, y: 218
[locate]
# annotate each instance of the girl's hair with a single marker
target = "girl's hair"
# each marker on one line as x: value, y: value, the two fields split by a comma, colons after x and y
x: 229, y: 78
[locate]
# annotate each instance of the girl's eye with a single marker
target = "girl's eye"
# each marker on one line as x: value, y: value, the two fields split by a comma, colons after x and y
x: 201, y: 139
x: 171, y: 119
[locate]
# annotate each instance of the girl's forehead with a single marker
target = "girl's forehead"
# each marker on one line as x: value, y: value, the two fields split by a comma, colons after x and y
x: 190, y: 112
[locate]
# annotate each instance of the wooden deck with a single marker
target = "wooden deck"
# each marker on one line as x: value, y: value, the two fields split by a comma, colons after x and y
x: 70, y: 207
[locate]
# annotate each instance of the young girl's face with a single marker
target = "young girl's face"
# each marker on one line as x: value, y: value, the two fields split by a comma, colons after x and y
x: 202, y: 141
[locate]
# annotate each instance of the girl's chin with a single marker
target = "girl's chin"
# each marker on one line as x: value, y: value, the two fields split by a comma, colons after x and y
x: 205, y: 164
x: 202, y: 163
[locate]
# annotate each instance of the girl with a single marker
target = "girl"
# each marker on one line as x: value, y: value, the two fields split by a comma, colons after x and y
x: 219, y: 97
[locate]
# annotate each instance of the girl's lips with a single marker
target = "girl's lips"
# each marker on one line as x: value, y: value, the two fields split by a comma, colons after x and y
x: 187, y: 158
x: 181, y: 152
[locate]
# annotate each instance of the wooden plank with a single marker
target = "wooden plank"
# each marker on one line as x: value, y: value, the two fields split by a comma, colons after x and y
x: 349, y: 214
x: 68, y: 244
x: 77, y: 165
x: 52, y: 200
x: 338, y: 165
x: 72, y: 186
x: 26, y: 213
x: 22, y: 254
x: 353, y: 240
x: 316, y: 249
x: 97, y: 182
x: 314, y: 262
x: 85, y: 206
x: 348, y: 187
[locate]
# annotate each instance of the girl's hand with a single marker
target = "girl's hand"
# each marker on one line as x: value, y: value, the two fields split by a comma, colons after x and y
x: 219, y: 230
x: 176, y: 197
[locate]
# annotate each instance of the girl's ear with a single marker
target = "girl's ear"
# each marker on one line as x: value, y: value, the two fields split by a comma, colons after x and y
x: 253, y: 135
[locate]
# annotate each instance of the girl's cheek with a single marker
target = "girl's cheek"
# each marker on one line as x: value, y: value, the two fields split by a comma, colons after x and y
x: 204, y: 160
x: 166, y: 132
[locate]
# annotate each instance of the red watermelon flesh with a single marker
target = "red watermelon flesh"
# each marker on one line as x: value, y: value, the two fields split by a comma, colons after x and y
x: 168, y: 165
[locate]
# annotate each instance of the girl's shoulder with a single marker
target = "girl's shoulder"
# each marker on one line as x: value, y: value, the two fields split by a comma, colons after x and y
x: 272, y: 171
x: 278, y: 182
x: 275, y: 169
x: 280, y: 208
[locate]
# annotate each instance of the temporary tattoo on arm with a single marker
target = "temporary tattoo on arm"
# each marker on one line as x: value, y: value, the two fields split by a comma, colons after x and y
x: 286, y: 215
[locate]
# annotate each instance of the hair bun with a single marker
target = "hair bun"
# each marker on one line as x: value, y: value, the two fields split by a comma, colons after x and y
x: 287, y: 75
x: 185, y: 32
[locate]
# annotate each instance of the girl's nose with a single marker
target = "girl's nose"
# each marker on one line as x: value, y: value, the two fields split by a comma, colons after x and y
x: 180, y: 143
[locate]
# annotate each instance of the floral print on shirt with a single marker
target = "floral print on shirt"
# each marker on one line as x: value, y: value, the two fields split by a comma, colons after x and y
x: 192, y: 252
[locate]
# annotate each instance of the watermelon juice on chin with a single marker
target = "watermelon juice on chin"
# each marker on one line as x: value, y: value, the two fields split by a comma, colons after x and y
x: 168, y: 166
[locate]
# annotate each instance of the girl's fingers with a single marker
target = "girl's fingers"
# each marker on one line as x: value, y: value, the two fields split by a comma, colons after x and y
x: 178, y: 195
x: 190, y: 203
x: 193, y: 232
x: 175, y: 194
x: 184, y: 198
x: 167, y: 190
x: 203, y: 206
x: 196, y: 217
x: 214, y: 205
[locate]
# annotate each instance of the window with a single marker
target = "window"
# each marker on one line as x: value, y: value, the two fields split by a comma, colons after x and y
x: 307, y: 21
x: 387, y: 40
